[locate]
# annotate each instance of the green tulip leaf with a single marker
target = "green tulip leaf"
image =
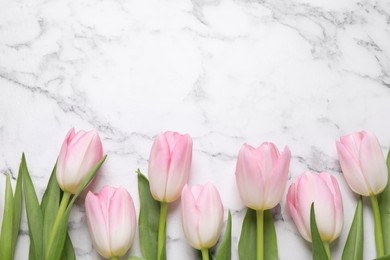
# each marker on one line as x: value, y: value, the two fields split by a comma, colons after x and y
x: 34, y: 213
x: 353, y: 249
x: 68, y: 251
x: 385, y: 257
x: 55, y: 252
x: 7, y: 225
x: 49, y: 205
x: 18, y: 201
x: 270, y: 241
x: 318, y: 249
x: 149, y: 217
x: 384, y: 207
x: 224, y: 250
x: 135, y: 258
x: 247, y: 243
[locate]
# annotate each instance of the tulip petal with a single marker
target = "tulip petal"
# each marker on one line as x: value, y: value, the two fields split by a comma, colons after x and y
x: 180, y: 164
x: 190, y: 216
x: 266, y: 155
x: 159, y: 160
x: 210, y: 216
x: 295, y: 213
x: 276, y: 184
x: 351, y: 170
x: 313, y: 188
x: 372, y: 162
x: 97, y: 225
x: 248, y: 178
x: 121, y: 222
x: 337, y: 203
x: 61, y: 162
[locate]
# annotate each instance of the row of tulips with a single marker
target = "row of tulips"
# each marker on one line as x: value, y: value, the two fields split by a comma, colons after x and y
x: 314, y: 201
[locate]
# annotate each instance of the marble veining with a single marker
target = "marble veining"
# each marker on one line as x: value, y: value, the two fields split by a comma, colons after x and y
x: 297, y: 73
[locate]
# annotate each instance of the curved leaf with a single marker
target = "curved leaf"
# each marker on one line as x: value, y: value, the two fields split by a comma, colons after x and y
x: 7, y: 225
x: 247, y: 243
x: 18, y: 197
x: 149, y: 217
x: 318, y: 249
x: 270, y: 241
x: 224, y: 250
x: 34, y: 213
x: 353, y: 249
x: 49, y: 205
x: 384, y: 207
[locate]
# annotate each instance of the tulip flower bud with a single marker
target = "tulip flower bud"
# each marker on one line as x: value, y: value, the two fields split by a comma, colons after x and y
x: 169, y: 165
x: 363, y: 163
x: 261, y: 175
x: 202, y: 215
x: 111, y: 221
x: 79, y: 153
x: 324, y: 191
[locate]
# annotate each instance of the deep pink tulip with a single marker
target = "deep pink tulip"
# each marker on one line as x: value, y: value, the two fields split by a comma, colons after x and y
x: 111, y: 221
x: 261, y: 175
x: 79, y: 153
x: 202, y: 215
x: 363, y: 163
x: 169, y: 165
x: 324, y: 191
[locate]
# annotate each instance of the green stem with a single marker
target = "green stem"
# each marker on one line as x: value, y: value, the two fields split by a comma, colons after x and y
x: 260, y: 234
x: 114, y: 258
x: 162, y: 230
x: 327, y: 249
x: 205, y: 254
x: 60, y: 213
x: 378, y: 227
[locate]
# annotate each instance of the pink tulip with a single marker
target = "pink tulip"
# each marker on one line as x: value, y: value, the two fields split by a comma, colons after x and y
x: 79, y: 153
x: 363, y: 163
x: 324, y: 191
x: 169, y: 165
x: 261, y: 175
x: 202, y: 215
x: 111, y: 221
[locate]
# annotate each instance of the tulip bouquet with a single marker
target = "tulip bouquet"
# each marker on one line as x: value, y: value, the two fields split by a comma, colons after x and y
x: 314, y: 202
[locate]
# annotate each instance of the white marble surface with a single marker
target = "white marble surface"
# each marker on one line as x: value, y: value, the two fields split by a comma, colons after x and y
x: 297, y: 73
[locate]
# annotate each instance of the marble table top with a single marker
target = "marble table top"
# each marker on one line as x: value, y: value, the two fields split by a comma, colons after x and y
x: 296, y: 73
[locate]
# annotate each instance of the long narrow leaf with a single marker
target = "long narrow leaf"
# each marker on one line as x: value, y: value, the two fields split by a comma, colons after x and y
x: 318, y: 249
x: 247, y: 243
x: 270, y: 241
x: 149, y: 216
x: 49, y: 205
x: 68, y: 251
x: 55, y: 252
x: 34, y: 212
x: 385, y: 257
x: 353, y: 249
x: 17, y: 211
x: 384, y: 207
x: 224, y: 250
x: 7, y: 225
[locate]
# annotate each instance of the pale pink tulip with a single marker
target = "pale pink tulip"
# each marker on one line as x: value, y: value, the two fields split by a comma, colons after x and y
x: 202, y: 215
x: 363, y: 163
x: 261, y: 175
x: 169, y: 165
x: 324, y: 191
x: 111, y: 221
x: 79, y: 153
